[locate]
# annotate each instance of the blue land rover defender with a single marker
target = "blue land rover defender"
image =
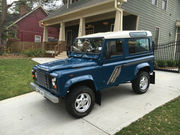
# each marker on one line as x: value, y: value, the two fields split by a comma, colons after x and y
x: 96, y: 62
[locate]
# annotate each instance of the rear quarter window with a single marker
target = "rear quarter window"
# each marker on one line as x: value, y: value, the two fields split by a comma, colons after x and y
x: 138, y: 45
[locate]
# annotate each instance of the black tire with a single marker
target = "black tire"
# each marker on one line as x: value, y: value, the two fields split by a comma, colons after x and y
x: 71, y: 98
x: 136, y: 83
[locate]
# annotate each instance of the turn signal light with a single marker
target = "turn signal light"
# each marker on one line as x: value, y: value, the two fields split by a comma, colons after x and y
x: 55, y: 87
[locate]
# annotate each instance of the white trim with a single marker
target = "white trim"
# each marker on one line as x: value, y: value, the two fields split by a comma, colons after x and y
x: 166, y: 5
x: 176, y: 37
x: 159, y: 33
x: 27, y: 15
x: 155, y: 4
x: 35, y: 38
x: 137, y: 22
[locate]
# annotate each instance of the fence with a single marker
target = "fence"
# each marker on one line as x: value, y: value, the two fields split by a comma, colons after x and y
x: 19, y: 46
x: 167, y: 57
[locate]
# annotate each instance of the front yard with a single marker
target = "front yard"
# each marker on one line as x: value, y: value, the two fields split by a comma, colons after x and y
x: 15, y: 76
x: 164, y: 120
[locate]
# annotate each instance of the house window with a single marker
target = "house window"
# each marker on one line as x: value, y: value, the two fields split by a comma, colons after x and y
x: 37, y: 38
x: 156, y: 39
x: 115, y: 47
x: 154, y: 2
x: 164, y: 4
x: 138, y: 45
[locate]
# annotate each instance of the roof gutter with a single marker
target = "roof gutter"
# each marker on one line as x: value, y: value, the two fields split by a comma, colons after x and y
x: 108, y: 1
x: 117, y: 5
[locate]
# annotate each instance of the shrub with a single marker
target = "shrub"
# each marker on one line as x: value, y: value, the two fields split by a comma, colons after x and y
x: 177, y: 63
x: 161, y: 63
x: 171, y: 63
x: 155, y: 64
x: 34, y: 53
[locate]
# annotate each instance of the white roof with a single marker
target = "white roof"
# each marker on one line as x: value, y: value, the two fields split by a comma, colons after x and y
x: 119, y: 34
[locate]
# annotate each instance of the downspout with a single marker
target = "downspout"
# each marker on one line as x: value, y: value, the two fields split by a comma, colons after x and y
x: 120, y: 2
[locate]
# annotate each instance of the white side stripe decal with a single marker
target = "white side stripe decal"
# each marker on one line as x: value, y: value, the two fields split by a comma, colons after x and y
x: 114, y: 75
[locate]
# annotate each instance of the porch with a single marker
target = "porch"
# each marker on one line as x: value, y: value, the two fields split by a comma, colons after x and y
x: 103, y: 17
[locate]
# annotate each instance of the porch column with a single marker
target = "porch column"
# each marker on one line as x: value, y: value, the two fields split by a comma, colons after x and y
x: 62, y: 32
x: 118, y: 26
x: 61, y: 43
x: 82, y: 27
x: 45, y: 34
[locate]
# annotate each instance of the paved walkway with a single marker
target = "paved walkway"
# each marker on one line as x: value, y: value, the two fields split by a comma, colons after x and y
x: 63, y: 55
x: 31, y: 114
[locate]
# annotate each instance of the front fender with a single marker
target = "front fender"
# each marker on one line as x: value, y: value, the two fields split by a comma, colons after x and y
x: 75, y: 80
x: 140, y: 66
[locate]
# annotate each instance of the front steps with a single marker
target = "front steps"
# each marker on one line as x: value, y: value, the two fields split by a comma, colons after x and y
x: 62, y: 55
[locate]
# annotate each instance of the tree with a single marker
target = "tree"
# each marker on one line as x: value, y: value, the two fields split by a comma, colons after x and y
x: 30, y: 4
x: 3, y: 14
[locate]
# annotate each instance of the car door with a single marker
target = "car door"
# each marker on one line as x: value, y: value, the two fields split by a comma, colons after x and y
x: 113, y: 70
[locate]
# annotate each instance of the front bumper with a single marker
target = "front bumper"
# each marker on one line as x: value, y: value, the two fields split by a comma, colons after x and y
x: 45, y: 93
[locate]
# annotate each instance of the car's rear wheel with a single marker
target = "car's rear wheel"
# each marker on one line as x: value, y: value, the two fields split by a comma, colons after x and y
x: 141, y: 84
x: 80, y: 101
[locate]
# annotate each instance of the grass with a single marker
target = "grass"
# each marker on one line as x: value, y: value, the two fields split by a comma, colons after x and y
x: 15, y: 77
x: 164, y: 120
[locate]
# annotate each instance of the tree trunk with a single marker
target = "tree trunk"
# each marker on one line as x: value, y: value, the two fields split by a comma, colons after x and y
x: 3, y: 18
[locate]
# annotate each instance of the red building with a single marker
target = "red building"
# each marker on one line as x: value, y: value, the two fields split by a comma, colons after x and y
x: 29, y: 29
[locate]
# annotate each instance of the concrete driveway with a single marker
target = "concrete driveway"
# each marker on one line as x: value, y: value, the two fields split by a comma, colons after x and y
x: 31, y: 114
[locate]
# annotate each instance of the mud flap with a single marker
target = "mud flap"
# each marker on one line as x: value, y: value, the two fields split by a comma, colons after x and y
x: 152, y: 78
x: 98, y: 97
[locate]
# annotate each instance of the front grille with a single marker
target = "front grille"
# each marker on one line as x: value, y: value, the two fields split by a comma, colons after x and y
x: 43, y: 79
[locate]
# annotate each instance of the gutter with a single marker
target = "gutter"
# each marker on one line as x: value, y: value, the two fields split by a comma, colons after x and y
x: 116, y: 3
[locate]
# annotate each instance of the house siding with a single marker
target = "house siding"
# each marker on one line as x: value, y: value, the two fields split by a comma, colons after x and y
x: 29, y: 26
x: 151, y: 16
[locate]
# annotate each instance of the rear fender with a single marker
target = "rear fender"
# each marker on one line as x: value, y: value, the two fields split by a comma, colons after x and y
x: 141, y: 66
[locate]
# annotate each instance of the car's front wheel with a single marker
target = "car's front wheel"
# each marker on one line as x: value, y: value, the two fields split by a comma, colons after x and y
x: 80, y: 101
x: 141, y: 84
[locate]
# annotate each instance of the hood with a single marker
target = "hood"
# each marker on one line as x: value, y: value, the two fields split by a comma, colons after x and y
x: 69, y: 63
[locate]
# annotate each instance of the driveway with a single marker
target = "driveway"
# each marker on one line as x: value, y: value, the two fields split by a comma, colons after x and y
x: 31, y: 114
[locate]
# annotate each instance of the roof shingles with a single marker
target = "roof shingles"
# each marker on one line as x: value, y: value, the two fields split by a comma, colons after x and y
x: 72, y: 7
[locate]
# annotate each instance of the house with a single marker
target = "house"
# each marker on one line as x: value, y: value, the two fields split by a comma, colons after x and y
x: 28, y: 28
x: 81, y: 17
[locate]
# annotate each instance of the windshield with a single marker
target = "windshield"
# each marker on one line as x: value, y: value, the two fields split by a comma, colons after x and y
x: 88, y: 45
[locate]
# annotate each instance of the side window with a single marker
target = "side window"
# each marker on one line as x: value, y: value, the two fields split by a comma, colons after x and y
x: 138, y: 45
x: 154, y: 2
x: 115, y: 47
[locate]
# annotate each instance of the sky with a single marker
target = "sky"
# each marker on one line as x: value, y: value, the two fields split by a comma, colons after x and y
x: 46, y: 7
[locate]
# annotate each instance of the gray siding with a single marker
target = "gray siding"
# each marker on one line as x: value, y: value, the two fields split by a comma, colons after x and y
x: 151, y: 16
x: 178, y: 9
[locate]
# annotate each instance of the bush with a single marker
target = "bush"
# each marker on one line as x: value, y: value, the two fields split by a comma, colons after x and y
x: 162, y: 63
x: 155, y: 64
x: 177, y: 63
x: 171, y: 63
x: 34, y: 53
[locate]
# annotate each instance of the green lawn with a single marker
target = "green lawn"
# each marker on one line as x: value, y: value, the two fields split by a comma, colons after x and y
x: 15, y: 76
x: 162, y: 121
